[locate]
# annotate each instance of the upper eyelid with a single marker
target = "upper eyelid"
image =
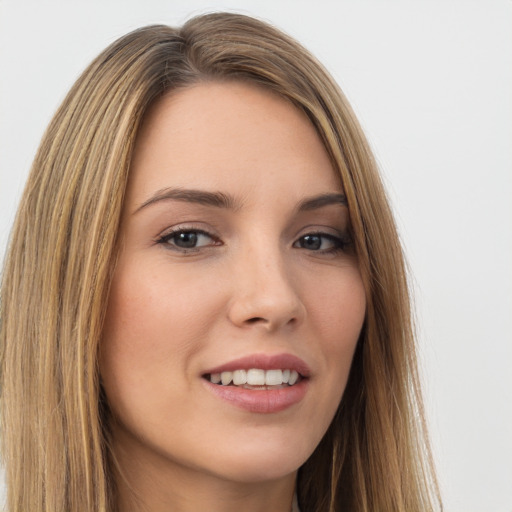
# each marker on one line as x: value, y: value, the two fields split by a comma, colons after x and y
x: 184, y: 227
x: 345, y: 237
x: 172, y: 232
x: 323, y: 230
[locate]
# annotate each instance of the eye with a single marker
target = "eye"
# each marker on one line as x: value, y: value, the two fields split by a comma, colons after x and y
x: 187, y: 239
x: 322, y: 242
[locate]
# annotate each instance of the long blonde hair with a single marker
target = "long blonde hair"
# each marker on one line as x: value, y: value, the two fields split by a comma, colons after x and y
x: 55, y: 284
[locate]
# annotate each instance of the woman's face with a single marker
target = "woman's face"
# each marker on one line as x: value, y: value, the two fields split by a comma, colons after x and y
x: 235, y: 262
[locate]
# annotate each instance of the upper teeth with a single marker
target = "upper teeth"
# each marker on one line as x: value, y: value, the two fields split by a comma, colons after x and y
x: 256, y: 377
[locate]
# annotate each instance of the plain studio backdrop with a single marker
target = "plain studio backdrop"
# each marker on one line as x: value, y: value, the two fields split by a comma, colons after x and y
x: 431, y: 82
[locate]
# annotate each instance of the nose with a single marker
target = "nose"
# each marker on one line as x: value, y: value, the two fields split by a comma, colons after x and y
x: 264, y: 294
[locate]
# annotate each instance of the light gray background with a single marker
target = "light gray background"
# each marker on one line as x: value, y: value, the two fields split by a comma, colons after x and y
x: 432, y: 84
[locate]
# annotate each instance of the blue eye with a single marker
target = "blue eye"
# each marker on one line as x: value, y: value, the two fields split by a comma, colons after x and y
x: 322, y: 242
x: 187, y: 239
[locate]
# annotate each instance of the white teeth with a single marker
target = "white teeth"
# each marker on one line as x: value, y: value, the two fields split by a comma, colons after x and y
x: 273, y: 377
x: 239, y: 377
x: 255, y: 377
x: 226, y: 378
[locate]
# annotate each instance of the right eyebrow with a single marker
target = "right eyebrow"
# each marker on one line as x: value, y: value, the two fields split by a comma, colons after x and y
x: 203, y: 197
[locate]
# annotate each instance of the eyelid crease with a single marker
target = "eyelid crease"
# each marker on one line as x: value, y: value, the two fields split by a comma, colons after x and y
x: 344, y: 237
x: 185, y: 229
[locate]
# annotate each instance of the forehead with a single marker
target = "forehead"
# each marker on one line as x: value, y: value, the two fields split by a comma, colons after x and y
x: 228, y: 136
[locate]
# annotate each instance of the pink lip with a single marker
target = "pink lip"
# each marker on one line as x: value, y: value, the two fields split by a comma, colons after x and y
x: 264, y: 362
x: 262, y: 401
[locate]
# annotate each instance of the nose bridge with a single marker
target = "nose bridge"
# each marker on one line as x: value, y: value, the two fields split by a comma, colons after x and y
x: 264, y: 289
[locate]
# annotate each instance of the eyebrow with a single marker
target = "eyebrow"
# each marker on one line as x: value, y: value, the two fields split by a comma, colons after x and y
x: 222, y: 200
x: 216, y: 199
x: 321, y: 200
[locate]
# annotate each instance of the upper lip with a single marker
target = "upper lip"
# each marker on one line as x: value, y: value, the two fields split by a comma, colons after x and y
x: 264, y: 362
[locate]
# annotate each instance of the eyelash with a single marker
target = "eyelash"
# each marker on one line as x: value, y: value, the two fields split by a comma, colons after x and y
x: 340, y: 243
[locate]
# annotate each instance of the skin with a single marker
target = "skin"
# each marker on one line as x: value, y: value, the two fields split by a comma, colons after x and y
x: 253, y: 285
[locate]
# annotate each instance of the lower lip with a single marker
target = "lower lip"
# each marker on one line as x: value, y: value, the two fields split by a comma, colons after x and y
x: 260, y: 401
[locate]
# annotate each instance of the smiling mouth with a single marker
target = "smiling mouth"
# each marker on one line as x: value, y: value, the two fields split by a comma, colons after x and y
x: 260, y: 384
x: 256, y: 379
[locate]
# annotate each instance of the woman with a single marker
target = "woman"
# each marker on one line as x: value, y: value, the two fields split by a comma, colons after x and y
x: 204, y: 302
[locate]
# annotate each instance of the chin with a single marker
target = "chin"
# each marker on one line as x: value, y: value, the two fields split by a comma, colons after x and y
x: 248, y: 472
x: 259, y: 463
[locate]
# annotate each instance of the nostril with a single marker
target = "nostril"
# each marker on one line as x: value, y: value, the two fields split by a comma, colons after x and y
x: 260, y: 319
x: 255, y: 319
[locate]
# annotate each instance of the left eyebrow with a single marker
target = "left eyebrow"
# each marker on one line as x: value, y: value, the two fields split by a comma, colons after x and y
x: 321, y: 200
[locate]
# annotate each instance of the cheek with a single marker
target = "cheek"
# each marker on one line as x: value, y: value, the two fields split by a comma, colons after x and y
x: 338, y: 313
x: 338, y: 309
x: 149, y: 308
x: 153, y: 326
